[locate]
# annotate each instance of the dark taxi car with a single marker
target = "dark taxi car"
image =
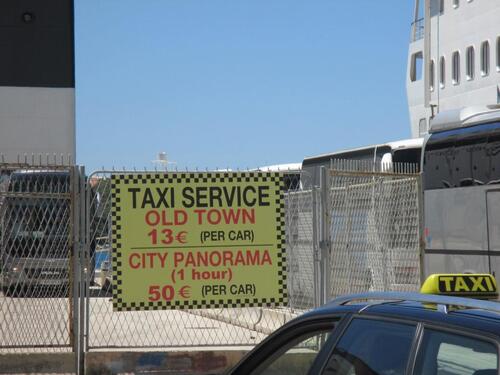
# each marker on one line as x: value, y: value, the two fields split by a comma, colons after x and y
x: 390, y: 333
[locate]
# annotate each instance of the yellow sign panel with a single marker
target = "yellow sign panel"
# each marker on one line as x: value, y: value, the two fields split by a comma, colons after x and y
x: 198, y: 240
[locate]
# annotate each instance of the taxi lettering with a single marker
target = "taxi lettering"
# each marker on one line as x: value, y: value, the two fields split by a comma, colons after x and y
x: 465, y: 283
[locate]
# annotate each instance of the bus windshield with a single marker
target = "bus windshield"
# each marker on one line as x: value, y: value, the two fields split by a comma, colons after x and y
x: 463, y: 157
x: 35, y: 215
x: 36, y: 227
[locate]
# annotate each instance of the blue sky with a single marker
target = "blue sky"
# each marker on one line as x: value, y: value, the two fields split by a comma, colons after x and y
x: 237, y: 83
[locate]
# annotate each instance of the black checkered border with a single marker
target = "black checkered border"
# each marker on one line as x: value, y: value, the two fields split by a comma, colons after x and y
x: 281, y: 241
x: 119, y: 179
x: 197, y: 177
x: 120, y: 305
x: 116, y: 236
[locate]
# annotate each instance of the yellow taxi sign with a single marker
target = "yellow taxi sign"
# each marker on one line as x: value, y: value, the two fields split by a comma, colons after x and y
x: 482, y: 286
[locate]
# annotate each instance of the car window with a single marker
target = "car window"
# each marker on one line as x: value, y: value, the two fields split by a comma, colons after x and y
x: 372, y: 347
x: 297, y: 357
x: 443, y: 353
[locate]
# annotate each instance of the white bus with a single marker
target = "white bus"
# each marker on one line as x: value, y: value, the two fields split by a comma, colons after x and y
x: 403, y: 151
x: 461, y: 181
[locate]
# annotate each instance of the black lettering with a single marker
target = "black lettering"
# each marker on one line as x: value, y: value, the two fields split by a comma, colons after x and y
x: 172, y: 198
x: 162, y: 197
x: 134, y: 192
x: 201, y: 197
x: 148, y: 199
x: 249, y: 202
x: 263, y: 195
x: 187, y: 194
x: 229, y: 197
x: 215, y: 195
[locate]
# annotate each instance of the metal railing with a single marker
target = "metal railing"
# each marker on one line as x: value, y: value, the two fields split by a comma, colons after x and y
x: 417, y: 30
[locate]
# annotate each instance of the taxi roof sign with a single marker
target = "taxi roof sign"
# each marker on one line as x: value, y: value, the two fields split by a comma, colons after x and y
x: 481, y: 286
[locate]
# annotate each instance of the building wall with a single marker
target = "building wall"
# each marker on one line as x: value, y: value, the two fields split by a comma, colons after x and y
x: 37, y: 80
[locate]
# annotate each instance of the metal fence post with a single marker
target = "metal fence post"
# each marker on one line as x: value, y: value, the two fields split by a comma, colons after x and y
x: 316, y: 220
x: 75, y: 267
x: 421, y: 234
x: 325, y: 237
x: 78, y: 260
x: 88, y: 241
x: 84, y: 266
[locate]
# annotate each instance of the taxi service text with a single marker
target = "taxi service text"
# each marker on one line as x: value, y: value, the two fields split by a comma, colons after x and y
x: 466, y: 283
x: 198, y: 240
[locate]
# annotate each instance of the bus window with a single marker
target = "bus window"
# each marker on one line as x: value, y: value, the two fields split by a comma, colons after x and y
x: 493, y: 151
x: 438, y: 169
x: 462, y: 157
x: 480, y: 163
x: 462, y: 164
x: 407, y: 155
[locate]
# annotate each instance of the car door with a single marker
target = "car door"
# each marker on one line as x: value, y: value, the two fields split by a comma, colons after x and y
x: 372, y: 346
x: 292, y: 350
x: 445, y: 352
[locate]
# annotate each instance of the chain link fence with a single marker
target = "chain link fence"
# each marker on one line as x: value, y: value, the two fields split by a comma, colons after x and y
x: 36, y: 221
x: 371, y: 242
x: 301, y: 209
x: 375, y: 226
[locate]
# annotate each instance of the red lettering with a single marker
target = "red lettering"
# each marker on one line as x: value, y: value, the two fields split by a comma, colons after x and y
x: 152, y: 218
x: 210, y: 216
x: 167, y: 292
x: 231, y: 216
x: 164, y: 219
x: 200, y: 215
x: 154, y: 293
x: 178, y: 258
x: 215, y: 259
x: 253, y: 260
x: 249, y: 215
x: 163, y: 258
x: 202, y: 258
x: 266, y: 258
x: 180, y: 217
x: 151, y: 259
x: 228, y: 257
x: 239, y: 258
x: 136, y: 265
x: 190, y: 260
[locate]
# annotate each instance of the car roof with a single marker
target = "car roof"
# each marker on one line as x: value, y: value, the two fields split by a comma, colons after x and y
x: 473, y: 319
